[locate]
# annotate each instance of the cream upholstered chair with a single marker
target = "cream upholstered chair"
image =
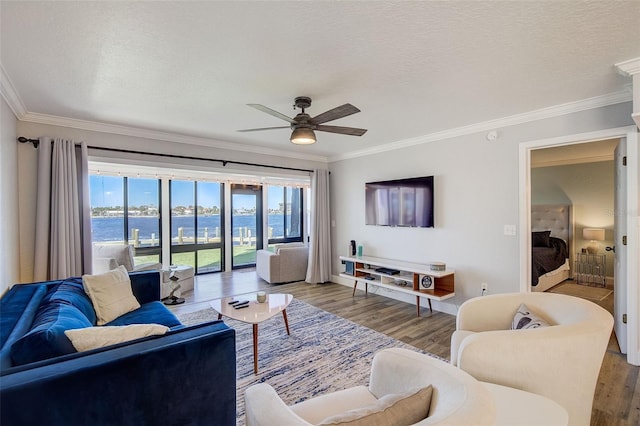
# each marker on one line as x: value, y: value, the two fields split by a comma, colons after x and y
x: 286, y: 263
x: 457, y: 399
x: 109, y: 256
x: 560, y: 362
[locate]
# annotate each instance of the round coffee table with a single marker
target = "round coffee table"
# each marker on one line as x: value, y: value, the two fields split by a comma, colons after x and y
x: 254, y: 313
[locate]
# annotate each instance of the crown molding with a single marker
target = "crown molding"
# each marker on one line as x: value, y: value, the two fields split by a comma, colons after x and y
x: 118, y: 129
x: 10, y: 95
x: 621, y: 96
x: 629, y: 68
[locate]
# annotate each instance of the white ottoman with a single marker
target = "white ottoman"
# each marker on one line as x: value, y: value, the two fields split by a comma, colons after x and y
x: 184, y: 273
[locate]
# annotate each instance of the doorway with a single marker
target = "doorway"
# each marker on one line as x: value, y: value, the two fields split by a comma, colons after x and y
x: 582, y: 178
x: 627, y: 277
x: 246, y: 224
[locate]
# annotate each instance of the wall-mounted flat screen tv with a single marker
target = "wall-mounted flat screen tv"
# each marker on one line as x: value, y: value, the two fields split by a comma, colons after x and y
x: 401, y: 202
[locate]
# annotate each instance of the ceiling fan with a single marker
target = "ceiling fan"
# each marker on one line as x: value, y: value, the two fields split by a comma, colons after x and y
x: 303, y: 125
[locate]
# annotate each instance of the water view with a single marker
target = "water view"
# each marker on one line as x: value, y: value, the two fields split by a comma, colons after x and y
x: 111, y: 228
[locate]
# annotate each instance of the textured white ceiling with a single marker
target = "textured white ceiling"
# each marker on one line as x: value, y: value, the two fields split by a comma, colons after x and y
x: 413, y: 68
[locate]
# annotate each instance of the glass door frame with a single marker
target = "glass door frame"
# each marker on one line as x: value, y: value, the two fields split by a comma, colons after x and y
x: 247, y: 189
x: 195, y: 247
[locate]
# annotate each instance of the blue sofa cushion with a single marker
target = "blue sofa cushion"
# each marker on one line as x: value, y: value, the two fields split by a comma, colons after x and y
x: 18, y: 308
x: 149, y: 313
x: 70, y: 291
x: 46, y: 339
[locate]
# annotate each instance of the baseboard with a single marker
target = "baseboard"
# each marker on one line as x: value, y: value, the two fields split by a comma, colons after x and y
x: 447, y: 308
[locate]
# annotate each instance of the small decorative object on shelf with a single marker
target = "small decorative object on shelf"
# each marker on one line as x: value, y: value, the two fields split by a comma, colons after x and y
x: 591, y: 269
x: 426, y: 281
x: 438, y: 266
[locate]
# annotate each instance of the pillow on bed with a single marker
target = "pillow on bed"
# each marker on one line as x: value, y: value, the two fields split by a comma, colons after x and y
x: 540, y: 239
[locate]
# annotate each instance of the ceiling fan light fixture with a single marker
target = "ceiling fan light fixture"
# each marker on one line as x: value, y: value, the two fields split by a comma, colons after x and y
x: 303, y: 136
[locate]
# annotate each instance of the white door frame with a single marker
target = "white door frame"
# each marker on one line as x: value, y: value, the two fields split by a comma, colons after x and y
x: 633, y: 220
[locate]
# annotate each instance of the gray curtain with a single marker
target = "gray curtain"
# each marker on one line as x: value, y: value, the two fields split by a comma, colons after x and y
x: 319, y: 267
x: 62, y: 210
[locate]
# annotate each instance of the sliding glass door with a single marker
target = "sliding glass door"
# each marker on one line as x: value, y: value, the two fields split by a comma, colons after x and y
x: 197, y: 225
x: 246, y: 224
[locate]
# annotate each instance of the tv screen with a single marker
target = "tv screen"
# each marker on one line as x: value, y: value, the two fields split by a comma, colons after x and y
x: 402, y: 202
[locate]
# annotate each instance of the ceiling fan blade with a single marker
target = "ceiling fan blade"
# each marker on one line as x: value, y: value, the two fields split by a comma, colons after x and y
x: 272, y: 112
x: 334, y: 114
x: 263, y: 128
x: 353, y: 131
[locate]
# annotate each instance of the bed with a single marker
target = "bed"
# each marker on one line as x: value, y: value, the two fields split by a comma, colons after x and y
x: 551, y: 245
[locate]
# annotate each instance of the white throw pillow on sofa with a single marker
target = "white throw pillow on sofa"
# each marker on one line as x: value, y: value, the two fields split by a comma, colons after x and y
x: 110, y: 294
x: 84, y: 339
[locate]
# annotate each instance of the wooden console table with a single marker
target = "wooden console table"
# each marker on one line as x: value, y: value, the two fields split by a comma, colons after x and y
x: 416, y: 279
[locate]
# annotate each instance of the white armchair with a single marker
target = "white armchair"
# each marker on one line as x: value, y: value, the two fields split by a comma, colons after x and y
x: 458, y: 398
x: 109, y: 256
x: 287, y: 263
x: 560, y: 362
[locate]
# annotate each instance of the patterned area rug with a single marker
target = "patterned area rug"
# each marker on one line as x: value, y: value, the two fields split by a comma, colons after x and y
x: 323, y: 354
x: 596, y: 294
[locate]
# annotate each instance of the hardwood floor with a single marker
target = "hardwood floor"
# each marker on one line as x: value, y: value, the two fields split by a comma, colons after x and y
x: 617, y: 396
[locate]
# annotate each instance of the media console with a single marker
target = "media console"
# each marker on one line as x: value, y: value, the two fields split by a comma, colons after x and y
x: 416, y: 279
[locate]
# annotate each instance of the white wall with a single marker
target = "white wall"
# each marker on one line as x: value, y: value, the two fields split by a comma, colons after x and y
x: 476, y: 195
x: 9, y: 238
x: 28, y: 157
x: 589, y: 188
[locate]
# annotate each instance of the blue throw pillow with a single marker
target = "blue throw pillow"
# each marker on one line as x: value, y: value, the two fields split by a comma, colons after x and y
x: 149, y: 313
x: 46, y: 339
x: 70, y: 291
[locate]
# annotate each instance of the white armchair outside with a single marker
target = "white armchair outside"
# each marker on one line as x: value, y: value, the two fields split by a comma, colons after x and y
x: 109, y: 256
x: 287, y: 263
x: 458, y: 398
x: 561, y: 362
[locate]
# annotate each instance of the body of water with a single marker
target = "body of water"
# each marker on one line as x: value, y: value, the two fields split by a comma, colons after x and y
x: 111, y: 228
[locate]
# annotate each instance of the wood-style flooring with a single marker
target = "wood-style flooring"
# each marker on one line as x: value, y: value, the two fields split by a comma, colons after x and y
x: 617, y: 396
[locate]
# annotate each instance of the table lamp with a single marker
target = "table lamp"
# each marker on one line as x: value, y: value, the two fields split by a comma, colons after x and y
x: 594, y: 235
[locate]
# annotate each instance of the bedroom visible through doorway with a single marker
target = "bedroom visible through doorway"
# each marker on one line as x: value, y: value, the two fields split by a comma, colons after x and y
x: 581, y: 178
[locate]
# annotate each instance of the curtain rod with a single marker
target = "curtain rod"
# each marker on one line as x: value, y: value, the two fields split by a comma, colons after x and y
x: 36, y: 142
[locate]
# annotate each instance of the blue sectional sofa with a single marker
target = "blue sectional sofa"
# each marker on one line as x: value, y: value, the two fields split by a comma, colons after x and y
x: 185, y: 377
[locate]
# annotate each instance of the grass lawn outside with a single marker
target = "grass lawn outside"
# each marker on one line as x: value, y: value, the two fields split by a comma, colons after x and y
x: 208, y: 260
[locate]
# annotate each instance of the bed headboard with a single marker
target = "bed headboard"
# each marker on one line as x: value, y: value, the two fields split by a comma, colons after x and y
x: 554, y: 217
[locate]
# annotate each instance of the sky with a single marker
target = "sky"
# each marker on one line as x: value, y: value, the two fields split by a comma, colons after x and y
x: 107, y: 191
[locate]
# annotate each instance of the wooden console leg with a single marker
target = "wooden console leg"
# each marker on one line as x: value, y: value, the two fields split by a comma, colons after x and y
x: 355, y: 284
x: 418, y: 304
x: 430, y: 308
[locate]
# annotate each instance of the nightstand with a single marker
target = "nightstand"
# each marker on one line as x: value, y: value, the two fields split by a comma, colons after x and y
x: 591, y: 269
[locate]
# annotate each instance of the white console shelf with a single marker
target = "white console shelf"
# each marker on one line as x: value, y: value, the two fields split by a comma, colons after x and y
x: 409, y: 279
